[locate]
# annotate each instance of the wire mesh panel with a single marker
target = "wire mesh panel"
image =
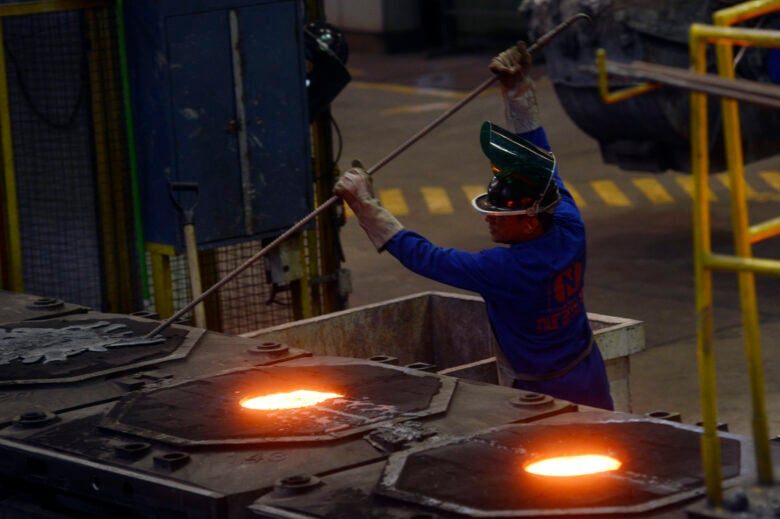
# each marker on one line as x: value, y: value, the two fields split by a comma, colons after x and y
x: 251, y: 301
x: 69, y: 154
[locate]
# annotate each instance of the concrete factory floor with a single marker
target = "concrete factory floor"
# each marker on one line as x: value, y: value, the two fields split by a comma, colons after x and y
x: 664, y: 376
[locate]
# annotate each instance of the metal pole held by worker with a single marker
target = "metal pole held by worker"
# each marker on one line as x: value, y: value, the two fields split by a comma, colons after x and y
x: 541, y: 42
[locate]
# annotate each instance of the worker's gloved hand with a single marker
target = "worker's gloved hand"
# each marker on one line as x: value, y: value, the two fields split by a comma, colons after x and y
x: 513, y: 67
x: 355, y: 188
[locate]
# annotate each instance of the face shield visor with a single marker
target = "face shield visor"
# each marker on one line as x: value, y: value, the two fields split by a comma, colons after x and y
x: 523, y: 180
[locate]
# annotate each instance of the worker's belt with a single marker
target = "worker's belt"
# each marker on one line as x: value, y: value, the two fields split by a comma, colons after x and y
x: 534, y: 377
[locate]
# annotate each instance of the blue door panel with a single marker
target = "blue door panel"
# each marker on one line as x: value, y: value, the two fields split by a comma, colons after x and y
x: 183, y: 86
x: 277, y: 122
x: 203, y: 103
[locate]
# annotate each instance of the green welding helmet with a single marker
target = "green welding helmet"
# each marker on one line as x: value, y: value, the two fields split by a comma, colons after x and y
x: 523, y: 181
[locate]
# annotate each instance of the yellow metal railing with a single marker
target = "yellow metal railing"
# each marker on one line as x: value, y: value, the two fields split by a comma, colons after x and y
x: 622, y: 94
x: 724, y: 37
x: 11, y: 216
x: 705, y: 262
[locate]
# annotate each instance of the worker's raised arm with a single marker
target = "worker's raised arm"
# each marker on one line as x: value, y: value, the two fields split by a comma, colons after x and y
x: 513, y: 67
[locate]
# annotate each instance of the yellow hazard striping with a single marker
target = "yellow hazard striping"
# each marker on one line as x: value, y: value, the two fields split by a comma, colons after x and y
x: 393, y: 201
x: 653, y: 190
x: 772, y: 178
x: 437, y: 200
x: 472, y: 191
x: 750, y: 192
x: 686, y: 183
x: 724, y: 179
x: 578, y: 199
x: 610, y: 193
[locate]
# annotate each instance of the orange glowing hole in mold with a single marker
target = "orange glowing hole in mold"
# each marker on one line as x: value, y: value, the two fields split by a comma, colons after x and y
x: 580, y: 465
x: 291, y: 400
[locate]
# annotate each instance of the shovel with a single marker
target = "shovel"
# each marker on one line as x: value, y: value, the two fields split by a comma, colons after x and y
x: 185, y: 197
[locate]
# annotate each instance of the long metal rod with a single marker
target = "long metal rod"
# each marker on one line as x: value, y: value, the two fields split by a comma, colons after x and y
x: 762, y: 94
x: 541, y: 42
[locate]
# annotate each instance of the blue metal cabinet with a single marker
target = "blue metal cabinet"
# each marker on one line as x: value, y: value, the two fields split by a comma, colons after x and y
x: 219, y: 99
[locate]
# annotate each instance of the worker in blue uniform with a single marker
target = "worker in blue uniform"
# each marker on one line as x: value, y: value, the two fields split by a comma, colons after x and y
x: 532, y: 283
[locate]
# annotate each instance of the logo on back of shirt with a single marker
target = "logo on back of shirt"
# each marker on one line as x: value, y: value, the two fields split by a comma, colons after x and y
x: 566, y: 297
x: 568, y: 283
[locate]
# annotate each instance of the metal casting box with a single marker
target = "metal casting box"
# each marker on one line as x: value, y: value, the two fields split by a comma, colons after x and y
x: 219, y: 100
x: 443, y: 332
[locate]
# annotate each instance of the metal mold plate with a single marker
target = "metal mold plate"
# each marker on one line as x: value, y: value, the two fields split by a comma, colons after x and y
x: 207, y: 411
x: 15, y: 307
x: 57, y: 351
x: 661, y: 467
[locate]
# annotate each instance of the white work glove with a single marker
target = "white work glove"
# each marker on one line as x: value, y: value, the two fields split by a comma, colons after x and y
x: 513, y: 69
x: 354, y: 187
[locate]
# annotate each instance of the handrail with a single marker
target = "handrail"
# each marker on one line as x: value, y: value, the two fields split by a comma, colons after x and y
x: 731, y: 91
x: 724, y: 38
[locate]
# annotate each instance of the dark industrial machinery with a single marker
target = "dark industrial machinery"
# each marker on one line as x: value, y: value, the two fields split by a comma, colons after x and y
x: 98, y: 420
x: 650, y: 132
x: 326, y: 51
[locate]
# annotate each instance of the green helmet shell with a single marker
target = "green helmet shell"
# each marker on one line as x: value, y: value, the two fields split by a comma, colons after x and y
x: 523, y: 181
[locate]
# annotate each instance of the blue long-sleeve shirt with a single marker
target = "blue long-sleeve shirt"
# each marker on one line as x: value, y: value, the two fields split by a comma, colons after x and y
x: 533, y: 292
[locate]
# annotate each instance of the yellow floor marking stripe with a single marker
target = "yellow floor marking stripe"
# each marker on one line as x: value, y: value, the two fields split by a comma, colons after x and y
x: 751, y: 193
x: 610, y: 193
x: 723, y: 178
x: 772, y: 178
x: 578, y: 199
x: 653, y: 190
x: 472, y: 191
x: 686, y: 183
x: 393, y: 201
x: 437, y: 200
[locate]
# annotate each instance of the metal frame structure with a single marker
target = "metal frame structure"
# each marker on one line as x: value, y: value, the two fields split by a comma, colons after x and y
x: 307, y: 296
x: 724, y: 36
x: 119, y: 287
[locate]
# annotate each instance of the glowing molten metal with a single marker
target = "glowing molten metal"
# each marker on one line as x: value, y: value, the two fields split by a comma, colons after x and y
x: 581, y: 465
x: 292, y: 400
